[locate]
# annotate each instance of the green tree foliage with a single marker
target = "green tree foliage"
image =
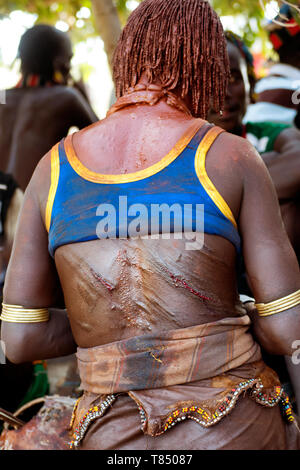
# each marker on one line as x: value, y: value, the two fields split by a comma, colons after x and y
x: 52, y: 11
x: 252, y: 11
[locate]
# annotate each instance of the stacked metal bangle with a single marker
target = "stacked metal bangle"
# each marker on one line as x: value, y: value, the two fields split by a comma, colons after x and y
x: 277, y: 306
x: 18, y: 314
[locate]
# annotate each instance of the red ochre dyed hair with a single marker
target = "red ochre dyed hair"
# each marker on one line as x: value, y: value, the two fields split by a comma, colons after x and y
x: 179, y: 44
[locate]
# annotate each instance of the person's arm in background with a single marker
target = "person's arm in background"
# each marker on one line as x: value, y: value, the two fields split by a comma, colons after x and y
x: 80, y: 86
x: 10, y: 210
x: 284, y: 163
x: 32, y: 282
x: 10, y: 224
x: 79, y: 110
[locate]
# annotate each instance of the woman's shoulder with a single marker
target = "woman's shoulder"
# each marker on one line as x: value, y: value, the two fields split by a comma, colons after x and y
x: 237, y: 151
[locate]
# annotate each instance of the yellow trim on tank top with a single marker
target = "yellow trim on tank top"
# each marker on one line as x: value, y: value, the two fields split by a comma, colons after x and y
x: 94, y: 177
x: 55, y: 168
x: 200, y: 160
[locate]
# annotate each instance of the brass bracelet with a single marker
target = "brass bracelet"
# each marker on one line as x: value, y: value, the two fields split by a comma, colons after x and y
x: 280, y: 305
x: 18, y: 314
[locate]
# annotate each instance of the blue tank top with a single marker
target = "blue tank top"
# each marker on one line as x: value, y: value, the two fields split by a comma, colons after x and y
x: 84, y: 205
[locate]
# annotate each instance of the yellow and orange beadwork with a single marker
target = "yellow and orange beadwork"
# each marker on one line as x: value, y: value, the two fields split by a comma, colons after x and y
x: 207, y: 419
x: 203, y: 417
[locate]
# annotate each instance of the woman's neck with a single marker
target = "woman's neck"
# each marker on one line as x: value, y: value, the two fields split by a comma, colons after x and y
x: 145, y: 93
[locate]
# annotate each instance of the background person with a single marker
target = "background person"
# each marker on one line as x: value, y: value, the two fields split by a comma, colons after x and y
x: 42, y: 108
x: 276, y: 99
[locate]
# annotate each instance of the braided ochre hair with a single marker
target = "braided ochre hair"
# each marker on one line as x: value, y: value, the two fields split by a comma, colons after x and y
x: 179, y: 44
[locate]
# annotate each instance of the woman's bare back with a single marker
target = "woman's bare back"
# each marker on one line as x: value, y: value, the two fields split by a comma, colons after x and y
x: 115, y: 289
x: 121, y: 288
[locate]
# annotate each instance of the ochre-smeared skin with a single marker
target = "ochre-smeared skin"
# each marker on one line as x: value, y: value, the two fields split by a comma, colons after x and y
x: 115, y: 290
x: 133, y: 287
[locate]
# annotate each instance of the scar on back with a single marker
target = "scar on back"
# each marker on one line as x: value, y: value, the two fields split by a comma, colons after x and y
x: 103, y: 281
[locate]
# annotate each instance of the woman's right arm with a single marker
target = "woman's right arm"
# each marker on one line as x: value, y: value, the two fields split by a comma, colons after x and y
x: 271, y: 264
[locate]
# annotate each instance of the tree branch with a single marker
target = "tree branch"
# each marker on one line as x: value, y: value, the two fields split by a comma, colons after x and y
x: 285, y: 25
x: 108, y: 25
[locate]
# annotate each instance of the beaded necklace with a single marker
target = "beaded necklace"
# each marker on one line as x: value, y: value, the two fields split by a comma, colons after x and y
x: 35, y: 81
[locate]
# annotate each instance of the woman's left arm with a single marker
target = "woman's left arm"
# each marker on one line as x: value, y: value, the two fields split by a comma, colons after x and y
x: 32, y: 283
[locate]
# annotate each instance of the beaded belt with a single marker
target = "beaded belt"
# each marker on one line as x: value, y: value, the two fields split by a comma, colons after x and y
x: 198, y: 414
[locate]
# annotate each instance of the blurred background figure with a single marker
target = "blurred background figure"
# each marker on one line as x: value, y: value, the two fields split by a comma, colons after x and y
x: 279, y: 146
x: 42, y: 108
x: 277, y: 143
x: 11, y: 199
x: 275, y: 92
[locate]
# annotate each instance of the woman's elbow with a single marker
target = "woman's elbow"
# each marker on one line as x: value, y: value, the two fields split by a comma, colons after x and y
x: 275, y: 341
x: 15, y: 356
x: 15, y: 343
x: 276, y: 349
x: 279, y: 345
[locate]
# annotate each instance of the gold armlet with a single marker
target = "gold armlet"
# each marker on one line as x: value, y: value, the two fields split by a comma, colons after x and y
x: 18, y: 314
x: 277, y: 306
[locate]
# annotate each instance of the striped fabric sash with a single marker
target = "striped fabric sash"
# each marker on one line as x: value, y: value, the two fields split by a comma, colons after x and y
x: 168, y: 358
